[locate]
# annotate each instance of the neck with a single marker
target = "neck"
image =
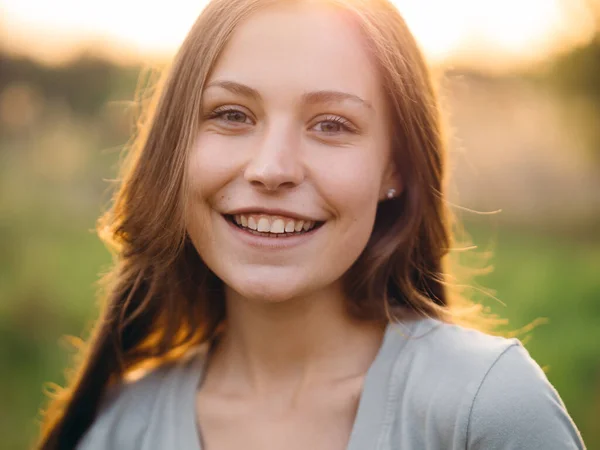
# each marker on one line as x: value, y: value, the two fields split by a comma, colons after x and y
x: 271, y: 346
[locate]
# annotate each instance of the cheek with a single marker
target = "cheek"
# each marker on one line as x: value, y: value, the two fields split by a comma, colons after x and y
x: 211, y: 164
x: 206, y: 174
x: 350, y: 182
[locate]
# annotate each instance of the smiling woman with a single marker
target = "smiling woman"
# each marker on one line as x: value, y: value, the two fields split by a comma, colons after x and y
x: 282, y: 235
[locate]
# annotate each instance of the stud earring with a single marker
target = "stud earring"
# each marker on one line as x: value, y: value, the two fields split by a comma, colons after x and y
x: 391, y: 193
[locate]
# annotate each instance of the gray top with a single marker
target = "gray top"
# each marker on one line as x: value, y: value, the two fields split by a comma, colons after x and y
x: 432, y: 386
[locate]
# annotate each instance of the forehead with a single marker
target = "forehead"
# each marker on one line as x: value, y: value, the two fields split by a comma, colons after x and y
x: 292, y: 49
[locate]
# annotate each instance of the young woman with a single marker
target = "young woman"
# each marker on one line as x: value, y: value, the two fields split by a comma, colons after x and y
x: 282, y: 235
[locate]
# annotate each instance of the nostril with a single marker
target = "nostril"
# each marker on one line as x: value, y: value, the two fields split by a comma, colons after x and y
x: 272, y: 186
x: 280, y: 171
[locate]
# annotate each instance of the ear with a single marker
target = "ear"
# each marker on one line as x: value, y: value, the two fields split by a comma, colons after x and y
x: 391, y: 180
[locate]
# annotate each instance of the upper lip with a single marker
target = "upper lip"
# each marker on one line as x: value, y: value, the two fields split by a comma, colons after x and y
x: 271, y: 212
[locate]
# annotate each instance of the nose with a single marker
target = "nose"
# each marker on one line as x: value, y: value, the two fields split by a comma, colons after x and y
x: 276, y: 161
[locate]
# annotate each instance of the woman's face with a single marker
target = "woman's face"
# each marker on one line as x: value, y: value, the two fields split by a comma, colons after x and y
x: 292, y: 155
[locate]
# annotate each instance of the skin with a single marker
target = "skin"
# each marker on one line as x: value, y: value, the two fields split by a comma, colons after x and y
x: 289, y: 369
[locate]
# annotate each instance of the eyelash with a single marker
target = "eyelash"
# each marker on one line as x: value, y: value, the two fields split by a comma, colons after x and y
x: 346, y: 124
x: 222, y: 111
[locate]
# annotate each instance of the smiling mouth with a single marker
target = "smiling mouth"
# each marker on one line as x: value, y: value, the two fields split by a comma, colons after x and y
x: 272, y: 226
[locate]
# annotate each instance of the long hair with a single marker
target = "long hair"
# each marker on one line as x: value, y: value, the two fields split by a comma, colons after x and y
x: 161, y: 299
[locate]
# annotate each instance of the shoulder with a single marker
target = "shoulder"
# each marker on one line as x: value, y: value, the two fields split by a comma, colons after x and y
x: 516, y: 407
x: 456, y: 349
x: 449, y: 357
x: 478, y: 391
x: 127, y: 409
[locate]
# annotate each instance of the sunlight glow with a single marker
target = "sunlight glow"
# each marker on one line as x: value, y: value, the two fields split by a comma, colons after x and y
x: 480, y: 32
x: 497, y: 31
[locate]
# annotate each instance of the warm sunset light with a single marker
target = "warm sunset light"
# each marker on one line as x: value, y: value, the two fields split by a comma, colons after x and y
x: 487, y: 32
x: 491, y: 31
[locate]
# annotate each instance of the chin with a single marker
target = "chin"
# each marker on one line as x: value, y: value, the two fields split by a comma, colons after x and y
x: 269, y: 288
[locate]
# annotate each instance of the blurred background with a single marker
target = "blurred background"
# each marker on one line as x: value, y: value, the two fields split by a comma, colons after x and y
x: 520, y: 84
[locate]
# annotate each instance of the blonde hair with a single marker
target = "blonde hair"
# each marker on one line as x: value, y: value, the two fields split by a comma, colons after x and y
x: 162, y: 299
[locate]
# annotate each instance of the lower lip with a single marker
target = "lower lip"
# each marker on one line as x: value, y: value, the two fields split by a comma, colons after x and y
x: 274, y: 243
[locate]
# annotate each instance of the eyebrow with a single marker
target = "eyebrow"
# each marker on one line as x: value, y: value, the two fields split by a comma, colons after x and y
x: 311, y: 98
x: 235, y: 88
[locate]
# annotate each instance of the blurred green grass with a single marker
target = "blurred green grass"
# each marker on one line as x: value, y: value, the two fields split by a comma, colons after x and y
x: 47, y: 289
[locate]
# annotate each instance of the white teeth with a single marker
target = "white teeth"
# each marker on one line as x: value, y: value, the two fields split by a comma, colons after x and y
x: 252, y: 223
x: 263, y: 224
x: 271, y: 224
x: 277, y: 226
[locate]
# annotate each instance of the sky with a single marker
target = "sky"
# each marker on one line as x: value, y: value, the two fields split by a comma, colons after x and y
x: 489, y: 33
